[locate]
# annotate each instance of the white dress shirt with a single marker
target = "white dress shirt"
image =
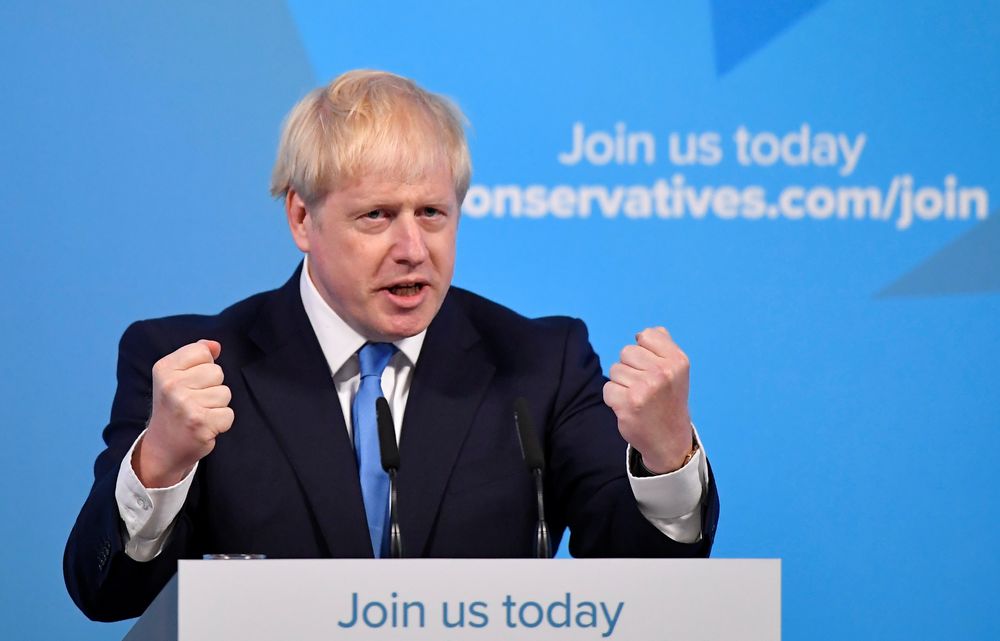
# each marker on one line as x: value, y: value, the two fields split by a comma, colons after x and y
x: 671, y: 502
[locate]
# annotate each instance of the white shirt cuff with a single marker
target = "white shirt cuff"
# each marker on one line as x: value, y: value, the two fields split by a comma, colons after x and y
x: 672, y: 502
x: 148, y: 514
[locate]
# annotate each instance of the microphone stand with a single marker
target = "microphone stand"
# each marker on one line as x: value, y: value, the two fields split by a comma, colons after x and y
x: 543, y: 544
x: 534, y: 458
x: 395, y: 538
x: 389, y: 450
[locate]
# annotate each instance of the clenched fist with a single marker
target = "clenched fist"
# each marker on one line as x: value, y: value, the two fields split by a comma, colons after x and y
x: 190, y: 408
x: 648, y: 392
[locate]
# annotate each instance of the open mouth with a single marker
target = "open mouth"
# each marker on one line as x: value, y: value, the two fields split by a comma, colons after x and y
x: 411, y: 289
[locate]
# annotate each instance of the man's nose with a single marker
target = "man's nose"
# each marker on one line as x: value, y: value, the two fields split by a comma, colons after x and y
x: 409, y: 245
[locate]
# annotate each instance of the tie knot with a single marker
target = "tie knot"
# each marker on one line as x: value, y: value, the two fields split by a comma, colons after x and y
x: 373, y: 357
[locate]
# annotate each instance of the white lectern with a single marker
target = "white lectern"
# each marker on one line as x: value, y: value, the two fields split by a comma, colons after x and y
x: 439, y: 599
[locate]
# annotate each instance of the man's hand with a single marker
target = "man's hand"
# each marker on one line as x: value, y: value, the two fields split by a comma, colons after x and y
x: 190, y: 408
x: 648, y: 392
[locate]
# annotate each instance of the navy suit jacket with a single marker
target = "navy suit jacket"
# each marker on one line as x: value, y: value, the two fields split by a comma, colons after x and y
x: 283, y: 481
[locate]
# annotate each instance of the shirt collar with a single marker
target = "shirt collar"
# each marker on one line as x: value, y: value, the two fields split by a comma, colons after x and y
x: 337, y: 339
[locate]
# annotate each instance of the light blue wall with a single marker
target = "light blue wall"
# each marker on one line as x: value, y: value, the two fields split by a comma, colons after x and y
x: 844, y: 370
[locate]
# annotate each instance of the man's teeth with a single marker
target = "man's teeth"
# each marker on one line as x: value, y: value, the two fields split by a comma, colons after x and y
x: 405, y: 290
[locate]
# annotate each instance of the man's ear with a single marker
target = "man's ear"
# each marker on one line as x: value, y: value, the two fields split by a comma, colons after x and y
x: 299, y: 221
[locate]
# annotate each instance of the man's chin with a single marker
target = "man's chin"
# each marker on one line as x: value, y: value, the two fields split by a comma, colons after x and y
x: 392, y: 322
x: 399, y: 328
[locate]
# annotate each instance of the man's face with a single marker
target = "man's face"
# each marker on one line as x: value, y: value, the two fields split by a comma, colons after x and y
x: 382, y: 251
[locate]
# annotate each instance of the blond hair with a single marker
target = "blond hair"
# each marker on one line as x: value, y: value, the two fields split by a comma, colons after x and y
x: 368, y: 122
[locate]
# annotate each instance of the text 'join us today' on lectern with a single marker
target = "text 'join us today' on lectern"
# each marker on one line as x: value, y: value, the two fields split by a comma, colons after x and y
x: 440, y: 599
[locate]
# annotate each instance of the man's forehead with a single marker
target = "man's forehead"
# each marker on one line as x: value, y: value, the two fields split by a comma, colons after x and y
x: 432, y: 185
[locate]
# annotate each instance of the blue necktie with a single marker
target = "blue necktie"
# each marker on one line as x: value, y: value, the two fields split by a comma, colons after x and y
x: 373, y: 358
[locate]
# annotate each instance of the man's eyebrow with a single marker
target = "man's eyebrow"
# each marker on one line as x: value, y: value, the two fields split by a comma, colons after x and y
x: 393, y: 203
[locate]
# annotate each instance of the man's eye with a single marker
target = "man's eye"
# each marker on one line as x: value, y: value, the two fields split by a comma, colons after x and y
x: 431, y: 212
x: 374, y: 214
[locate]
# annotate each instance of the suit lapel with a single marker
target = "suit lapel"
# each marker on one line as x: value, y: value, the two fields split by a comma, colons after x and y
x: 449, y: 382
x: 291, y: 384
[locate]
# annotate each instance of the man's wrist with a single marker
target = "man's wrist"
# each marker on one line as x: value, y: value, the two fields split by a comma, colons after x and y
x: 152, y: 472
x: 641, y: 471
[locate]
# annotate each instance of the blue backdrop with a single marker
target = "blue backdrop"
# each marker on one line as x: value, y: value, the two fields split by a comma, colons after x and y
x: 802, y: 191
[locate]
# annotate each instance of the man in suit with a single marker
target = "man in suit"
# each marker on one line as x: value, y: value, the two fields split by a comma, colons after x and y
x: 239, y: 432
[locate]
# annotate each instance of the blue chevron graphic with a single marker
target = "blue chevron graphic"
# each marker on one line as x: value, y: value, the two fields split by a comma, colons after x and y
x: 742, y: 27
x: 969, y: 264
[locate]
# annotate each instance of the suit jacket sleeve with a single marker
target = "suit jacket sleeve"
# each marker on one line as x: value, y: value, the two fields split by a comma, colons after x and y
x: 103, y: 581
x: 587, y: 470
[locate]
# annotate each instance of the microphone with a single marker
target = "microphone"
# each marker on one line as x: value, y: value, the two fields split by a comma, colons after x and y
x: 531, y: 450
x: 389, y: 451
